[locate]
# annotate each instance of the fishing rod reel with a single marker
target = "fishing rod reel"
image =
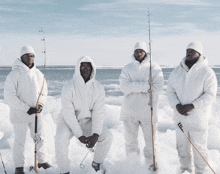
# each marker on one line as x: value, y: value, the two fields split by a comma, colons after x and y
x: 37, y: 139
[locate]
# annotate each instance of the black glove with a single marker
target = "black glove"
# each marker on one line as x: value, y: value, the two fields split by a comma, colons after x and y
x: 83, y: 139
x: 92, y: 140
x: 35, y: 110
x: 32, y: 111
x: 184, y: 109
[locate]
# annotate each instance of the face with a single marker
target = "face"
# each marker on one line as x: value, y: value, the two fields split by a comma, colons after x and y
x: 139, y: 55
x: 28, y: 59
x: 191, y: 55
x: 86, y: 70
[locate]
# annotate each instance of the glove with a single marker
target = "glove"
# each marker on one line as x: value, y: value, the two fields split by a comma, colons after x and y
x: 83, y: 139
x: 33, y: 110
x: 92, y: 140
x: 184, y: 109
x: 188, y: 107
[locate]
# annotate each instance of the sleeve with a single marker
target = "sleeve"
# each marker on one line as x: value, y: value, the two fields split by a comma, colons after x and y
x: 10, y: 93
x: 128, y: 86
x: 68, y: 111
x: 171, y: 93
x: 98, y: 112
x: 158, y: 80
x: 43, y: 97
x: 209, y: 94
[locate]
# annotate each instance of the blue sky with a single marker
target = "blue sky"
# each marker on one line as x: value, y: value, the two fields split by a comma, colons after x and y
x: 107, y: 30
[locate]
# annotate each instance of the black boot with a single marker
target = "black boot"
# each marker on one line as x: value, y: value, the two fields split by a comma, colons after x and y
x: 96, y: 166
x: 66, y: 173
x: 44, y: 165
x: 19, y: 170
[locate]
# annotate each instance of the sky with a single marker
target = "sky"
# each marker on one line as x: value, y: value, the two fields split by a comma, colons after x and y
x: 108, y: 30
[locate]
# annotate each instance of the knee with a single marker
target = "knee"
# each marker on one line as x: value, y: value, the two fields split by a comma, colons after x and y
x: 60, y: 138
x: 19, y: 141
x: 62, y: 134
x: 109, y: 137
x: 106, y: 138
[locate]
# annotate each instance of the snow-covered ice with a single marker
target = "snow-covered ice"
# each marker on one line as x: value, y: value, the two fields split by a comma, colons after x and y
x: 116, y: 161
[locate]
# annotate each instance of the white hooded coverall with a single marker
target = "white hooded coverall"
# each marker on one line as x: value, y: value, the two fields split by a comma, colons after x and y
x: 21, y: 91
x: 197, y: 86
x: 83, y: 113
x: 135, y: 110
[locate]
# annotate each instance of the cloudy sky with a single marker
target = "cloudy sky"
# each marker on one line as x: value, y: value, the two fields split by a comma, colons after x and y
x: 107, y: 30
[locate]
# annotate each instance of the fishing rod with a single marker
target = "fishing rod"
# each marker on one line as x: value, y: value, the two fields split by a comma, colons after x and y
x: 151, y: 100
x: 37, y: 139
x: 181, y: 128
x: 3, y: 164
x: 44, y: 51
x: 82, y: 166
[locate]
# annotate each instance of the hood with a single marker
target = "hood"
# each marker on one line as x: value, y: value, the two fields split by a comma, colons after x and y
x: 77, y: 68
x: 197, y: 46
x: 26, y: 49
x: 142, y: 46
x: 202, y: 61
x: 18, y: 64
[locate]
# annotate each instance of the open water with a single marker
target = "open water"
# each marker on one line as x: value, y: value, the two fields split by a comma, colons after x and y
x: 108, y: 77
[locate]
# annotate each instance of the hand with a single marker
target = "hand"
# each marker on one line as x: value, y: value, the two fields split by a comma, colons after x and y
x: 188, y: 107
x: 83, y: 139
x: 184, y: 109
x: 178, y: 108
x: 33, y: 110
x: 92, y: 140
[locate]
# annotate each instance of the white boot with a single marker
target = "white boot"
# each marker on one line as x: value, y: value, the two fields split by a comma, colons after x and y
x: 184, y: 171
x: 101, y: 171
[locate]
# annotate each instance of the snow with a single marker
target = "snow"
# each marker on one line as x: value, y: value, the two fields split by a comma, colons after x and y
x: 116, y: 161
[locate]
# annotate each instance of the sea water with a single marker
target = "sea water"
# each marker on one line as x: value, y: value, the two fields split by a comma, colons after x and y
x: 109, y: 77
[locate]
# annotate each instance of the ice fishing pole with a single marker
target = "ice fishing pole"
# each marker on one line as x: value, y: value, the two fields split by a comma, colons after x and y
x: 36, y: 137
x: 181, y: 128
x: 151, y: 100
x: 3, y: 164
x: 45, y: 58
x: 82, y: 166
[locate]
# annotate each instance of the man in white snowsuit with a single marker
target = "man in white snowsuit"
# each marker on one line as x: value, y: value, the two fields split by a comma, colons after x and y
x: 82, y: 116
x: 135, y: 110
x: 21, y: 91
x: 191, y: 90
